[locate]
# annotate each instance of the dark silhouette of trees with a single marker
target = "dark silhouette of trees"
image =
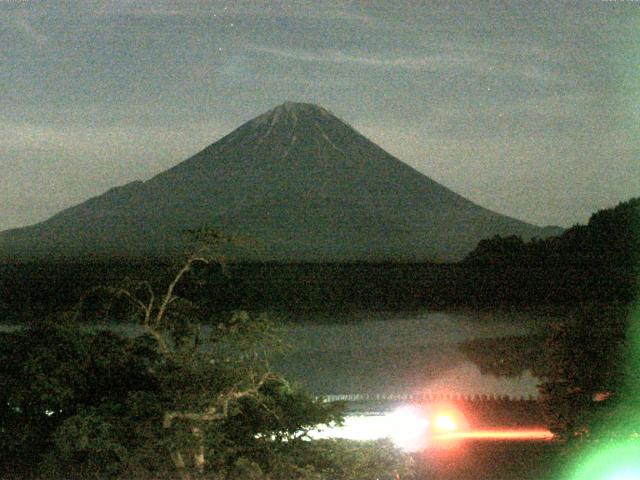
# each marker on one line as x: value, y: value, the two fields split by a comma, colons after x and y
x: 57, y: 378
x: 597, y: 262
x: 586, y: 369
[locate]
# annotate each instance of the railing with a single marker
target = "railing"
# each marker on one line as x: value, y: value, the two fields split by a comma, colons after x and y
x: 425, y: 397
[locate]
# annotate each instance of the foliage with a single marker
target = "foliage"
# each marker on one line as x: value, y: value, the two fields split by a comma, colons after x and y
x: 80, y: 403
x: 586, y: 370
x: 353, y: 460
x: 53, y: 375
x: 178, y: 401
x: 596, y: 262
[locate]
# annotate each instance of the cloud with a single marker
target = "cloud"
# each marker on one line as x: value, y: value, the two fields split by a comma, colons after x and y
x: 18, y: 21
x: 129, y: 138
x: 454, y: 60
x: 304, y: 9
x: 339, y: 57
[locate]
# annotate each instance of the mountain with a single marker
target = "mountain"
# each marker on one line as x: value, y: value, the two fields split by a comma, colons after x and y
x: 298, y: 182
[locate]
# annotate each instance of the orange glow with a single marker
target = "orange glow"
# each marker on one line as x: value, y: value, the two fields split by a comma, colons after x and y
x: 536, y: 434
x: 447, y: 418
x: 445, y: 423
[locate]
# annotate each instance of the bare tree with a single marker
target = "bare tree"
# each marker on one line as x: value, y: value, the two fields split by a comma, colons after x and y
x: 157, y: 311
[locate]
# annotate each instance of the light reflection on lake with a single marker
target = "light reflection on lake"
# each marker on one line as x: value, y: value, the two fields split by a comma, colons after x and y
x: 407, y: 429
x: 415, y: 428
x: 390, y: 352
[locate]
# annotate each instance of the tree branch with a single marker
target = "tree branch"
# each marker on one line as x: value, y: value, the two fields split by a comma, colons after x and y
x: 168, y: 296
x: 220, y: 410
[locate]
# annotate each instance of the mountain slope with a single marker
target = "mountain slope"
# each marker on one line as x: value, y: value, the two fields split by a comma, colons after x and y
x: 299, y: 182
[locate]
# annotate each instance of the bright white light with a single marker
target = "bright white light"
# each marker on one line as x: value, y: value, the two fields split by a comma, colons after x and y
x: 356, y: 427
x: 629, y: 474
x: 407, y: 427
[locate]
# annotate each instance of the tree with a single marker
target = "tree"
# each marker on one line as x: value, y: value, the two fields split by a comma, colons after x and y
x: 598, y: 262
x: 218, y: 387
x: 54, y: 373
x: 586, y: 370
x: 181, y: 400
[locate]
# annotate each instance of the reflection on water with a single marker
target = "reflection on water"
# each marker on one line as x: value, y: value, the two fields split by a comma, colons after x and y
x: 392, y: 352
x: 413, y: 353
x: 361, y: 330
x: 466, y: 379
x: 416, y: 428
x: 407, y: 427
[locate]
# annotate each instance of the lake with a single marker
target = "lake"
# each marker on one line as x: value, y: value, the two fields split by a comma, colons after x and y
x: 387, y: 352
x: 394, y: 351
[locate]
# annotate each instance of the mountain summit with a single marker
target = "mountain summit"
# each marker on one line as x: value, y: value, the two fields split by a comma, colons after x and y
x: 299, y: 182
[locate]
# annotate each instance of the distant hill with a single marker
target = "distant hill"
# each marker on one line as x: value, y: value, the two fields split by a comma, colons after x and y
x: 299, y: 182
x: 599, y: 261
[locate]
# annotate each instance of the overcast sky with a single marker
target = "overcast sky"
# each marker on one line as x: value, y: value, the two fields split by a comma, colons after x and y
x: 528, y: 108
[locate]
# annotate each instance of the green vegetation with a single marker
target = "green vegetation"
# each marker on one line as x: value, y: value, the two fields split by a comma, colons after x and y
x: 184, y: 401
x: 586, y: 370
x: 175, y: 402
x: 598, y: 262
x: 590, y: 375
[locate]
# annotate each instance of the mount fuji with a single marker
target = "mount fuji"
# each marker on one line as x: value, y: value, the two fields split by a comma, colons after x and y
x: 297, y: 181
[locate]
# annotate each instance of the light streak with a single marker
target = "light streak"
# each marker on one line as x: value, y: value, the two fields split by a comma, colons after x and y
x: 515, y: 434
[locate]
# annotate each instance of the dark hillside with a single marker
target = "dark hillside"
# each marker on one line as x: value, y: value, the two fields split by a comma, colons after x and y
x: 599, y: 261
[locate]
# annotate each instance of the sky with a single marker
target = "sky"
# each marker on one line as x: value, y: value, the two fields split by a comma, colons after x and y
x: 531, y: 109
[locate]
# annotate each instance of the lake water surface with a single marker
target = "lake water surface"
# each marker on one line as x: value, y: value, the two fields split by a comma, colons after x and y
x: 392, y: 352
x: 385, y: 352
